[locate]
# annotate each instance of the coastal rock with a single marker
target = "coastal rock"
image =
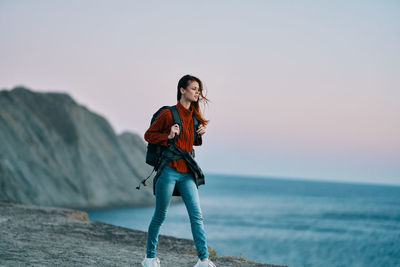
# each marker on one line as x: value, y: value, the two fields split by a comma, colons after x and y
x: 56, y: 152
x: 52, y: 236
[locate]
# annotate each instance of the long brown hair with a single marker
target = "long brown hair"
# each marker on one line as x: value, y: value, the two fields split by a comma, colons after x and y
x: 184, y: 82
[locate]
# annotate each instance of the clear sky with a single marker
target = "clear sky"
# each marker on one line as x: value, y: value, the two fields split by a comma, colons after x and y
x: 301, y: 89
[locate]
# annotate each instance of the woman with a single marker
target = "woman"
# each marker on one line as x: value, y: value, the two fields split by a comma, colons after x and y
x: 176, y: 173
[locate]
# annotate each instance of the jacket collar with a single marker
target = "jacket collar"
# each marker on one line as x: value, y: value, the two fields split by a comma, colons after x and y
x: 182, y: 110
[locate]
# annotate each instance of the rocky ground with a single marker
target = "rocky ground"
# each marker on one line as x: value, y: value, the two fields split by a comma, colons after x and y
x: 51, y: 236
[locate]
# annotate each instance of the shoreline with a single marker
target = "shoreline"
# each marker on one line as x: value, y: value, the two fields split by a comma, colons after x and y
x: 48, y: 236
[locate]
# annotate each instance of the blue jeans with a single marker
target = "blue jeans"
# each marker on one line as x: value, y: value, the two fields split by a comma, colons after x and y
x: 190, y: 195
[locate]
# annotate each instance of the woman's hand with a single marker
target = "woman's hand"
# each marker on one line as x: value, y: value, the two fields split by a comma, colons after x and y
x: 174, y: 130
x: 201, y: 129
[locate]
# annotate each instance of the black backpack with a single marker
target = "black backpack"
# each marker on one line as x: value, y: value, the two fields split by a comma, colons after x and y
x: 154, y: 151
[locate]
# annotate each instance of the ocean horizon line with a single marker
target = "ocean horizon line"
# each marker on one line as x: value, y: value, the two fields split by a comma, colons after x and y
x: 303, y: 179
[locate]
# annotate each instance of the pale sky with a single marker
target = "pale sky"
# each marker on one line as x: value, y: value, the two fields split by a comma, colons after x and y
x: 300, y: 89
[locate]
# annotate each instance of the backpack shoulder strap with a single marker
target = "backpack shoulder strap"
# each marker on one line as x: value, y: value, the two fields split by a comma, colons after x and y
x: 195, y: 126
x: 176, y: 119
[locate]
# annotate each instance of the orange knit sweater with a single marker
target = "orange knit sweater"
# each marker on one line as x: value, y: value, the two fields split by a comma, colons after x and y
x: 161, y: 127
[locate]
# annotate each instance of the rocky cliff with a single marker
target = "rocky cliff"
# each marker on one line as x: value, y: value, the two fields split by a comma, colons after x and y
x: 57, y: 152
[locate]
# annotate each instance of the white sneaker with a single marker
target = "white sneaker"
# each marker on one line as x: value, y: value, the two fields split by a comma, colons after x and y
x: 206, y: 263
x: 151, y: 262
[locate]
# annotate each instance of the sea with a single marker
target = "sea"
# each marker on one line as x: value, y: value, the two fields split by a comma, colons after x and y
x: 285, y: 221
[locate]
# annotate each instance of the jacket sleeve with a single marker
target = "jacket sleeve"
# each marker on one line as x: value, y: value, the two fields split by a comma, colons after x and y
x: 159, y: 130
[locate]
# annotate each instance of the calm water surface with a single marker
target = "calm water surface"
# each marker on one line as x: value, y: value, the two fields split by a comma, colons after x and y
x: 288, y: 222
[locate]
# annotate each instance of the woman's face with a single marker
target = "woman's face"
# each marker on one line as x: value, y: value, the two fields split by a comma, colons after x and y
x: 192, y: 92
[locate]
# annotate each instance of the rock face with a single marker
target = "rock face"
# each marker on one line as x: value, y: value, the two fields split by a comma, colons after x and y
x: 50, y: 236
x: 56, y: 152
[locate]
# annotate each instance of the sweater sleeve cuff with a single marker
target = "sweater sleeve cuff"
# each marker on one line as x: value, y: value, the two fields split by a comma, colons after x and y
x: 199, y: 140
x: 165, y: 141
